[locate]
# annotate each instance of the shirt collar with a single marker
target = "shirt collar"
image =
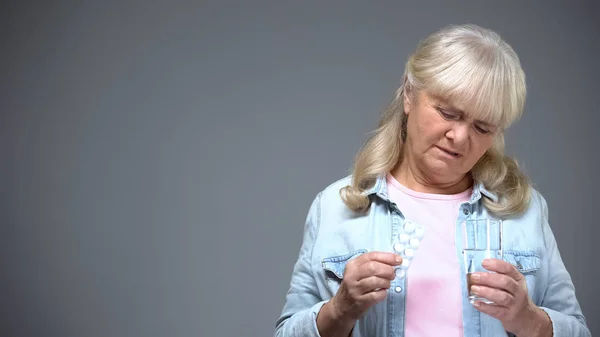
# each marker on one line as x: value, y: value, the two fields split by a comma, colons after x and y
x: 479, y: 189
x: 380, y: 189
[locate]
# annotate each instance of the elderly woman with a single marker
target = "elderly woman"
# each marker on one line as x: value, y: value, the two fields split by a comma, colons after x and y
x: 436, y: 160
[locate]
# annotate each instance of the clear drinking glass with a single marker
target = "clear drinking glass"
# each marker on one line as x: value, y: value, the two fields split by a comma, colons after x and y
x: 482, y: 239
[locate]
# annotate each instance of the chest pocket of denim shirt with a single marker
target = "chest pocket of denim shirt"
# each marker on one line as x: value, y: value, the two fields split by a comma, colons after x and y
x: 335, y: 266
x: 527, y: 263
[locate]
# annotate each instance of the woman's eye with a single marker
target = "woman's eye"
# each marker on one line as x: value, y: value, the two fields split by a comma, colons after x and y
x: 481, y: 129
x: 447, y: 115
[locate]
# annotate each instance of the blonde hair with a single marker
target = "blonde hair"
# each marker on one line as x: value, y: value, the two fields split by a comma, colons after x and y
x: 462, y: 64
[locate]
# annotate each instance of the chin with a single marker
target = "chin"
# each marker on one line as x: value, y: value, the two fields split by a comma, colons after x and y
x: 442, y: 172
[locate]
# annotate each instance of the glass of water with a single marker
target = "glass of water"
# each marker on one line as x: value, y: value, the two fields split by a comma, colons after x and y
x: 482, y: 239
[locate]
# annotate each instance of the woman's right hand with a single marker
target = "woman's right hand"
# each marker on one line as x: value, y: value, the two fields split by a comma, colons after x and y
x: 366, y: 281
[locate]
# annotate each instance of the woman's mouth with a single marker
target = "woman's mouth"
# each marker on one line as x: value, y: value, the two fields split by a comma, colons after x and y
x: 450, y: 153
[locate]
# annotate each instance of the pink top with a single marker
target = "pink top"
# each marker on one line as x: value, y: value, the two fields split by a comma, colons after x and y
x: 434, y: 300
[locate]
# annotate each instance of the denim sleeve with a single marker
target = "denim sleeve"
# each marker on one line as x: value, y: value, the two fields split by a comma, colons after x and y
x: 302, y: 302
x: 559, y: 300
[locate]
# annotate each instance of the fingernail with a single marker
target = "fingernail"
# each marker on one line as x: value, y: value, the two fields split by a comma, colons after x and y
x: 399, y: 259
x: 476, y: 303
x: 475, y: 289
x: 475, y: 276
x: 486, y: 263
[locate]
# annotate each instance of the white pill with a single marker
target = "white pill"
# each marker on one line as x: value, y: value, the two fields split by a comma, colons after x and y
x: 414, y: 242
x: 420, y: 231
x: 403, y: 237
x: 409, y: 227
x: 398, y: 247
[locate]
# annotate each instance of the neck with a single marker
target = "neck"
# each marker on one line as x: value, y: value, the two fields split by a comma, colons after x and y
x: 409, y: 175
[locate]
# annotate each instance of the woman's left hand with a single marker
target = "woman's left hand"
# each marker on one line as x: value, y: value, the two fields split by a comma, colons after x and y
x: 507, y: 288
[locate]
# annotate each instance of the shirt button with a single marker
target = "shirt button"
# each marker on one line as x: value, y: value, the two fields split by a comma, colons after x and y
x: 398, y: 289
x: 466, y: 211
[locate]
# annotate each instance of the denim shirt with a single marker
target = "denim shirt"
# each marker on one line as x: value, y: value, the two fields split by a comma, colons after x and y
x: 334, y: 234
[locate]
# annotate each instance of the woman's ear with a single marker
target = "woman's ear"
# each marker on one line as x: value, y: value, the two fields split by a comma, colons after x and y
x: 406, y: 99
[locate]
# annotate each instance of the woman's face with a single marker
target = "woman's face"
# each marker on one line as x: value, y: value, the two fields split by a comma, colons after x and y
x: 442, y: 140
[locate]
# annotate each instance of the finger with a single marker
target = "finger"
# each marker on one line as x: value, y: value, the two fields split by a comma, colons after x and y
x: 373, y: 282
x: 498, y: 281
x: 503, y: 267
x: 382, y: 257
x: 374, y: 268
x: 499, y: 297
x: 375, y: 296
x: 496, y: 311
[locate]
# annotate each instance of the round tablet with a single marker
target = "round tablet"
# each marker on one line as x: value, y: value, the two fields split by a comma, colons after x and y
x: 398, y: 247
x: 414, y: 242
x: 403, y: 237
x: 419, y: 231
x: 409, y: 227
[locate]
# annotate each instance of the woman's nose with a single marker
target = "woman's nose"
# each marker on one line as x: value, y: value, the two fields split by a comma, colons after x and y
x: 459, y: 132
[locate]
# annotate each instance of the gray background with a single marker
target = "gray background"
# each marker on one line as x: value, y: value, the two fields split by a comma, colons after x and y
x: 158, y: 159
